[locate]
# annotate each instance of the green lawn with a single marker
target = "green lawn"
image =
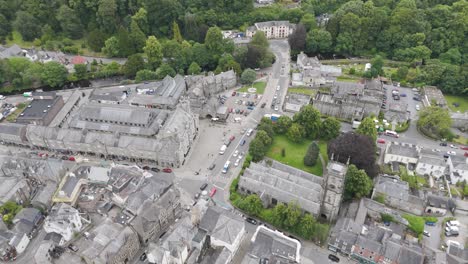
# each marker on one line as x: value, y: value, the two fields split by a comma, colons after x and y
x: 259, y: 85
x: 462, y: 100
x: 295, y: 153
x: 306, y: 91
x: 348, y: 78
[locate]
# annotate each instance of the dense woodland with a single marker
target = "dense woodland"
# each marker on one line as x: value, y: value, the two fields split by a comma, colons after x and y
x: 429, y: 36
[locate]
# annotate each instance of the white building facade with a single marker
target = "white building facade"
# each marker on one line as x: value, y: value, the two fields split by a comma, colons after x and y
x: 64, y: 220
x: 272, y: 29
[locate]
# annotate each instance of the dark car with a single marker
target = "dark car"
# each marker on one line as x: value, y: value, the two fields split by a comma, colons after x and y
x: 73, y: 248
x: 203, y: 186
x: 263, y: 105
x: 242, y: 142
x: 146, y: 168
x: 197, y: 195
x: 155, y: 169
x: 251, y: 220
x: 443, y: 144
x: 143, y: 257
x: 211, y: 166
x: 333, y: 258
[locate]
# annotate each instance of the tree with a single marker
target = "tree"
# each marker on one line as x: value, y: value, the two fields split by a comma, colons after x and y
x: 297, y: 39
x: 54, y: 74
x: 357, y: 183
x: 330, y: 128
x: 176, y: 33
x: 145, y: 75
x: 296, y: 133
x: 280, y: 213
x: 133, y: 64
x: 111, y: 47
x: 434, y: 121
x: 293, y: 215
x: 376, y: 68
x: 69, y: 22
x: 137, y: 37
x: 194, y: 69
x: 359, y: 149
x: 153, y: 51
x: 214, y: 41
x: 318, y: 41
x: 309, y: 22
x: 96, y: 40
x: 226, y: 63
x: 257, y: 149
x: 452, y: 56
x: 248, y: 76
x: 252, y: 205
x: 259, y: 40
x: 80, y: 71
x: 165, y: 70
x: 307, y: 226
x: 263, y: 137
x: 310, y: 119
x: 106, y: 15
x: 283, y: 124
x: 126, y: 47
x: 27, y: 25
x: 267, y: 126
x: 312, y: 154
x: 367, y: 128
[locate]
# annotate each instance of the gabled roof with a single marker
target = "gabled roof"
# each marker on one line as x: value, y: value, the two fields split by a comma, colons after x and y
x: 222, y: 224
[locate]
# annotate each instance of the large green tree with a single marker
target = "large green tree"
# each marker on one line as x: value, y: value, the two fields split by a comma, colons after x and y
x: 312, y: 154
x: 54, y: 74
x: 134, y: 64
x: 153, y: 52
x: 357, y: 183
x: 330, y: 128
x: 27, y: 25
x: 367, y: 128
x: 309, y: 118
x: 282, y: 125
x: 296, y: 133
x: 435, y: 121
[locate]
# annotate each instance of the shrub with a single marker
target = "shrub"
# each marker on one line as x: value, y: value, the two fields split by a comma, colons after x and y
x: 310, y: 159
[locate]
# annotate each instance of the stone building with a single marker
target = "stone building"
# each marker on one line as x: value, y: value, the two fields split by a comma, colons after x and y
x: 272, y: 29
x: 42, y: 109
x: 460, y: 120
x: 111, y: 243
x: 313, y: 73
x: 279, y: 183
x: 64, y: 220
x: 351, y: 101
x: 202, y: 91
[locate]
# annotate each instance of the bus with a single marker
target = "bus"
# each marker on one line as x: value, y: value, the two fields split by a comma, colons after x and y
x: 391, y: 133
x: 226, y: 166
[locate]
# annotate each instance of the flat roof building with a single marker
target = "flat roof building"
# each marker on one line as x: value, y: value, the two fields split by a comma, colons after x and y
x: 41, y: 110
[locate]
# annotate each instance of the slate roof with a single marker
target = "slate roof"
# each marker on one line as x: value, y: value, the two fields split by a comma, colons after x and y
x: 392, y: 187
x: 37, y: 109
x: 411, y: 255
x: 260, y: 25
x: 404, y: 150
x: 285, y: 184
x: 222, y: 224
x: 29, y: 214
x: 166, y: 92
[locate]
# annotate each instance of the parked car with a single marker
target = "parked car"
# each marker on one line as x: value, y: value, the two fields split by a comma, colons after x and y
x: 211, y: 167
x: 235, y: 153
x: 426, y: 233
x: 443, y: 144
x: 167, y: 170
x: 263, y: 105
x: 203, y: 186
x: 251, y: 220
x: 143, y: 256
x: 73, y: 248
x: 451, y: 152
x: 242, y: 142
x: 403, y: 95
x: 381, y: 141
x: 237, y: 162
x: 71, y: 158
x: 234, y: 93
x: 464, y: 147
x: 154, y: 169
x: 212, y: 192
x: 333, y: 258
x: 197, y: 195
x: 466, y: 154
x: 453, y: 146
x: 232, y: 138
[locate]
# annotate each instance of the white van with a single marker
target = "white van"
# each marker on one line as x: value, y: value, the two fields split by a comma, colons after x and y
x: 249, y: 132
x: 453, y: 223
x: 222, y: 149
x: 226, y: 166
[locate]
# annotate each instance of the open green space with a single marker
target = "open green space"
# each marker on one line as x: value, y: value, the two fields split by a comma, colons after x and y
x: 295, y: 153
x: 303, y: 90
x: 19, y: 108
x: 461, y: 100
x: 348, y: 78
x: 259, y: 85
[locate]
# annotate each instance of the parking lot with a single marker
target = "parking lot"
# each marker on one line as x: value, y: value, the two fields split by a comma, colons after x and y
x: 406, y: 97
x: 240, y: 104
x: 463, y: 231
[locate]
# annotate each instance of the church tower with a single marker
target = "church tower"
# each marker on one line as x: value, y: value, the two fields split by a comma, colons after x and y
x: 333, y: 189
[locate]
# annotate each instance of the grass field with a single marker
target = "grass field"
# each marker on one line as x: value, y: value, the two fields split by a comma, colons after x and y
x: 463, y: 101
x: 295, y: 153
x: 259, y: 85
x: 348, y: 78
x: 307, y: 91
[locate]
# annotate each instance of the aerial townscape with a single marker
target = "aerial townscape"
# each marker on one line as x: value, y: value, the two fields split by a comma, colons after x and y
x: 242, y: 131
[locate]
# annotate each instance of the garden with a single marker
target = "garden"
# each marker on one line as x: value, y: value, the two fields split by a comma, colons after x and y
x: 260, y: 86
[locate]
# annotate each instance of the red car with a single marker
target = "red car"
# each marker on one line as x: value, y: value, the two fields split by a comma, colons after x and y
x: 381, y: 141
x: 234, y: 93
x: 71, y: 158
x: 232, y: 138
x: 466, y: 154
x: 167, y: 170
x: 464, y: 147
x: 212, y: 192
